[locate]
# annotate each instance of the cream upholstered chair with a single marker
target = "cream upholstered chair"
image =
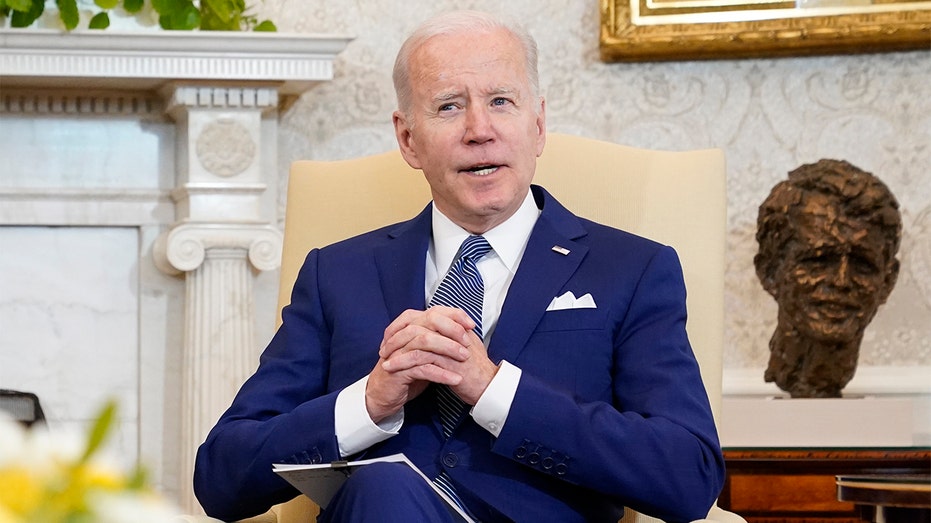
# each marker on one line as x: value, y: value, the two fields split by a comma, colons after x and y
x: 677, y: 198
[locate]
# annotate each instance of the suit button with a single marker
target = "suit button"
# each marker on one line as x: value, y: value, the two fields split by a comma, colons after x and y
x: 521, y: 452
x: 561, y: 469
x: 547, y: 463
x: 533, y: 458
x: 450, y: 460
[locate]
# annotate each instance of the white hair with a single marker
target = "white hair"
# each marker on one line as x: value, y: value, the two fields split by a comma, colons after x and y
x: 453, y: 23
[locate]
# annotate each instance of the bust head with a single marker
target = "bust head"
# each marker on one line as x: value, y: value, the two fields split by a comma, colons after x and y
x: 828, y: 237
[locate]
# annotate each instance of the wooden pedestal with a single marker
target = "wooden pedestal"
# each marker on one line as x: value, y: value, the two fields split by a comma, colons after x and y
x: 799, y: 486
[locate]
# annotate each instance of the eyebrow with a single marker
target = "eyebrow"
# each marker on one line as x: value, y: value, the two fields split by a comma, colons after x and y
x: 453, y: 95
x: 445, y: 97
x: 504, y: 90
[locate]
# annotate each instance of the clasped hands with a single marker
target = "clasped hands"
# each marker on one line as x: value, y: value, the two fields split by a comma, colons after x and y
x: 422, y: 347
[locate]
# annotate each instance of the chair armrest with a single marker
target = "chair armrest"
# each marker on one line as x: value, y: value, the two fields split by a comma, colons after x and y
x: 268, y: 517
x: 719, y: 515
x: 186, y: 518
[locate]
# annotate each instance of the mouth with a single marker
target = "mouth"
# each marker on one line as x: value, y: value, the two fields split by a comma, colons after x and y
x: 835, y: 309
x: 482, y: 170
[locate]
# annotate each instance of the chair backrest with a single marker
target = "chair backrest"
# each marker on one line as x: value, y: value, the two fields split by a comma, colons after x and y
x: 677, y: 198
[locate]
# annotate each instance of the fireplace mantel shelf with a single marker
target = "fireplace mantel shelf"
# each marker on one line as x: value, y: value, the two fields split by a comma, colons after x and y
x: 145, y: 60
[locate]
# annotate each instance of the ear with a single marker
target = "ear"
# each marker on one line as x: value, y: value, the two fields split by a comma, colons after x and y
x: 541, y: 127
x: 766, y: 273
x: 889, y: 282
x: 402, y: 131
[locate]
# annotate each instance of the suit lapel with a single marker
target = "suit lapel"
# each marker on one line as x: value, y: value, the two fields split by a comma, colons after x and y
x: 400, y: 263
x: 541, y: 275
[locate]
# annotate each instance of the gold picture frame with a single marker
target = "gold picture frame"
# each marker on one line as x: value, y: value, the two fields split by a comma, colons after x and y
x: 654, y: 30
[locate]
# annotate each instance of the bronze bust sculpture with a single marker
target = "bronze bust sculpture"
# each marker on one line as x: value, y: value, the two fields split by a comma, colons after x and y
x: 828, y: 238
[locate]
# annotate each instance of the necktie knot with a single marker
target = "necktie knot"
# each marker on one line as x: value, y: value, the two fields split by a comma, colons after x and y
x: 474, y: 248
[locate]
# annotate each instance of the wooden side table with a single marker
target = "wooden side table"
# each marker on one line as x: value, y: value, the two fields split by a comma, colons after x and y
x: 799, y: 485
x: 888, y: 498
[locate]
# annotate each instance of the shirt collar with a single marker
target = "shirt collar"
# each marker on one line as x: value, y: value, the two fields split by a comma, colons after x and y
x: 508, y: 239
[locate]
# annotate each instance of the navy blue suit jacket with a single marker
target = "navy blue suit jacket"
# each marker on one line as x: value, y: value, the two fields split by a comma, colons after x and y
x: 610, y: 410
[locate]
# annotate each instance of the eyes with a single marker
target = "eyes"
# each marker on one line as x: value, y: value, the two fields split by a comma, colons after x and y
x: 858, y: 262
x: 496, y: 102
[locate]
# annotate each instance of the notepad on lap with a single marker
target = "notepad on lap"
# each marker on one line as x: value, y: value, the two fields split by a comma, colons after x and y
x: 321, y: 482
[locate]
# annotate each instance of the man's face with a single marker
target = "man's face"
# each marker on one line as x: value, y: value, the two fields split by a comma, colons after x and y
x: 834, y: 275
x: 474, y: 127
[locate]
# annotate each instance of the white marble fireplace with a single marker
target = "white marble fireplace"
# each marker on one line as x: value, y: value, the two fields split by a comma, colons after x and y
x: 138, y: 189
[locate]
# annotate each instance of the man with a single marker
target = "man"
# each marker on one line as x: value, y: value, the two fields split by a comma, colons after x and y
x: 828, y: 238
x: 572, y: 414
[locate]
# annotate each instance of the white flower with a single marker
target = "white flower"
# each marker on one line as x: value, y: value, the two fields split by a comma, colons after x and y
x: 120, y: 507
x: 12, y: 441
x: 57, y: 477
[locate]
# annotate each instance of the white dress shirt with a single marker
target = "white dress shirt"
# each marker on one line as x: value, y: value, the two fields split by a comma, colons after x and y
x: 355, y: 430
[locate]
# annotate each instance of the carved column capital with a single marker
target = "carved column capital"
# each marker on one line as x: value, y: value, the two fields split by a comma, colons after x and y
x: 184, y: 247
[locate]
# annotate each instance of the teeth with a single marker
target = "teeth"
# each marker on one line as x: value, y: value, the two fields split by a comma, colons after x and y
x: 484, y: 172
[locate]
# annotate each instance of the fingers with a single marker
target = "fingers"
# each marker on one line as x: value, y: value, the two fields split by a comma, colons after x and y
x: 443, y: 330
x: 435, y: 374
x: 412, y: 358
x: 420, y: 347
x: 477, y: 372
x: 388, y: 391
x: 448, y: 321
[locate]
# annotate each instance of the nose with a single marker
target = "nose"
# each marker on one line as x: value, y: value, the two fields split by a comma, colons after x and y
x: 478, y: 125
x: 842, y: 277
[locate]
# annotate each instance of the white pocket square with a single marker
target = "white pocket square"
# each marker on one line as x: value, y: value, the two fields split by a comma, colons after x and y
x: 569, y: 301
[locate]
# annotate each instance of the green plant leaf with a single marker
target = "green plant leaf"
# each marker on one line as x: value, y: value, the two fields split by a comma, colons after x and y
x: 138, y: 479
x: 177, y: 14
x: 219, y: 8
x: 133, y: 6
x: 26, y: 18
x: 99, y: 21
x: 167, y: 7
x: 186, y: 19
x: 219, y: 15
x: 266, y: 26
x: 99, y: 430
x: 222, y: 15
x: 18, y: 5
x: 68, y: 12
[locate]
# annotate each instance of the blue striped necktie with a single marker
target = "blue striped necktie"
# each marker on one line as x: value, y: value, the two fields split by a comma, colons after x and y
x: 462, y: 288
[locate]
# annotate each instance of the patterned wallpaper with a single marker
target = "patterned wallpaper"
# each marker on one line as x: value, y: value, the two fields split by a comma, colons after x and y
x: 770, y: 116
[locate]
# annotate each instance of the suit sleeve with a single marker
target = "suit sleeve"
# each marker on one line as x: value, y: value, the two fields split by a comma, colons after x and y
x: 653, y: 446
x: 287, y: 395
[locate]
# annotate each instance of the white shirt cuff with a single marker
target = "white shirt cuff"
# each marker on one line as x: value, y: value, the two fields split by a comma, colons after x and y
x: 491, y: 409
x: 355, y: 430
